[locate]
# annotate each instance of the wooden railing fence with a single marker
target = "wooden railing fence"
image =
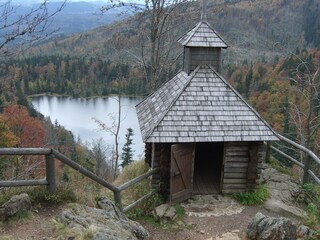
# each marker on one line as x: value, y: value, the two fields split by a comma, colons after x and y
x: 51, y: 155
x: 309, y: 155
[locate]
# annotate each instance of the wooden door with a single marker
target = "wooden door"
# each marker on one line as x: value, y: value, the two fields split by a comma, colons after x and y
x: 182, y: 156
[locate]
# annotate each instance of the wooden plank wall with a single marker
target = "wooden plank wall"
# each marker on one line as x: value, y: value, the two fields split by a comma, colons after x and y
x: 201, y: 56
x: 238, y: 169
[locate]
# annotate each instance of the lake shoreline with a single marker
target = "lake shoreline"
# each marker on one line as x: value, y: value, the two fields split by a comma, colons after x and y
x: 91, y: 97
x: 77, y: 115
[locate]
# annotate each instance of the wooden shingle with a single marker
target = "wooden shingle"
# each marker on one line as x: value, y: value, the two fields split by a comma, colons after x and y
x: 201, y: 107
x: 202, y: 35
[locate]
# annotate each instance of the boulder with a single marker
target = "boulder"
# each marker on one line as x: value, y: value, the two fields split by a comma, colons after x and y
x: 105, y: 223
x: 165, y: 213
x: 16, y: 204
x: 268, y: 228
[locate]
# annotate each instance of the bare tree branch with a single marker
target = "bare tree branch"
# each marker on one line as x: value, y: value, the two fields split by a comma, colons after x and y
x: 18, y: 31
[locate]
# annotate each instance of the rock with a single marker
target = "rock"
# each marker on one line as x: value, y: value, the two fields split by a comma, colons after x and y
x: 16, y: 204
x: 268, y: 228
x: 284, y: 209
x: 160, y: 211
x: 285, y: 195
x: 228, y: 236
x: 303, y: 232
x: 106, y: 223
x: 164, y: 213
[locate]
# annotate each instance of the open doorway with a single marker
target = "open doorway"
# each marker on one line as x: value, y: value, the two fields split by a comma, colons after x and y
x: 207, y: 168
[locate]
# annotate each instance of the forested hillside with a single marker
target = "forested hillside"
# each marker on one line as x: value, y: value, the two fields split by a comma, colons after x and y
x: 263, y: 36
x: 285, y: 92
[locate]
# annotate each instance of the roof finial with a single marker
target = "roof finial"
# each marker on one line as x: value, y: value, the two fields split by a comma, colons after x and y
x: 203, y: 13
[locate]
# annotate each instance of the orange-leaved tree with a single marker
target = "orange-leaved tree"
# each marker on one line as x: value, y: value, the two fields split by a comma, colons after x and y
x: 29, y: 132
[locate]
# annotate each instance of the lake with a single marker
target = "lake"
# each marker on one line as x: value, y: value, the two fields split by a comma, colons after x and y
x: 76, y: 115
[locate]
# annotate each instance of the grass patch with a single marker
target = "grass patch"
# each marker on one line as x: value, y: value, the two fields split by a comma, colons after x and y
x: 21, y: 215
x: 39, y: 194
x: 258, y: 197
x: 313, y: 207
x: 179, y: 210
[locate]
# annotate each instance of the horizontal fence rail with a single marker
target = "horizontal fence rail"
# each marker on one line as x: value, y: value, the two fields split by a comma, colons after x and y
x: 51, y: 155
x: 306, y: 166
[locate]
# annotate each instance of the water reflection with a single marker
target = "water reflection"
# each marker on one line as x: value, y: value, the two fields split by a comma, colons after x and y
x: 77, y: 116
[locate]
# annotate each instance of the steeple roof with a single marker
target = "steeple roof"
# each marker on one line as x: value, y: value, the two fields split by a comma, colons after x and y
x: 201, y: 107
x: 202, y: 35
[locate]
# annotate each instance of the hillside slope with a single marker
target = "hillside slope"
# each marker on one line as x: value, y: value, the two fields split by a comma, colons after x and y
x: 253, y: 29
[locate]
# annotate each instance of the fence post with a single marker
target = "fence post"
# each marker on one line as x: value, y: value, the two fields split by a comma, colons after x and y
x: 50, y: 173
x: 268, y: 152
x: 117, y: 199
x: 305, y: 178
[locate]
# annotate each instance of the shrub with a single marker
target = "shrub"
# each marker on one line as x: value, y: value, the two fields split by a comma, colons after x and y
x: 257, y: 197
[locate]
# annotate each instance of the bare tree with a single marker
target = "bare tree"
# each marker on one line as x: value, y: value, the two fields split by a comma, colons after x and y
x: 113, y: 128
x: 305, y: 108
x: 102, y: 155
x: 155, y: 17
x: 20, y: 30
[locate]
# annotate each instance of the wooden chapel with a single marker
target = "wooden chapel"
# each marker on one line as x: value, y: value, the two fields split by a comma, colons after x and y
x: 198, y: 129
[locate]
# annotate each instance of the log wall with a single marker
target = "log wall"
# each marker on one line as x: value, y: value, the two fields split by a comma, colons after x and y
x: 242, y: 163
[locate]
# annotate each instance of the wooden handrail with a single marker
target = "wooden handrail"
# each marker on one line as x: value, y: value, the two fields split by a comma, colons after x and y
x: 138, y: 179
x: 19, y: 183
x: 287, y: 156
x: 25, y: 151
x: 306, y: 150
x: 50, y: 174
x: 305, y: 167
x: 84, y: 171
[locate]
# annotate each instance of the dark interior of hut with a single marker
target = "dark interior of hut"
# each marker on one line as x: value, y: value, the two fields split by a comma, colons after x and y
x: 207, y: 168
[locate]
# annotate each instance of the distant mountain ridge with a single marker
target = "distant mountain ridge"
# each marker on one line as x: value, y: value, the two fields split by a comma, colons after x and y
x: 76, y: 16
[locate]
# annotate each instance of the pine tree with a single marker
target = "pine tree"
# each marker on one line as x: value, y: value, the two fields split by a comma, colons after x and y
x: 127, y: 152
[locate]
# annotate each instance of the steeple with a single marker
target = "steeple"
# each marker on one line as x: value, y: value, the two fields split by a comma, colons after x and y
x: 204, y: 13
x: 202, y: 45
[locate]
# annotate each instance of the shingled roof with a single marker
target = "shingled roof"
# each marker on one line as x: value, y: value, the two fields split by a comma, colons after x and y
x: 202, y: 35
x: 201, y: 107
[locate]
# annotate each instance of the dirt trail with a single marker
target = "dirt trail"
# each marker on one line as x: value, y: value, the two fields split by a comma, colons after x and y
x: 204, y: 220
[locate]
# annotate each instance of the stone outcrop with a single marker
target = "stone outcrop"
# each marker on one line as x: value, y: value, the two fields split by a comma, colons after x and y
x: 268, y: 228
x: 108, y: 222
x: 283, y: 197
x: 16, y: 204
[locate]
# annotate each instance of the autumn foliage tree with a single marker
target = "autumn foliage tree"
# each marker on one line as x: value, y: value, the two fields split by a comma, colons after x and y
x: 24, y: 131
x: 27, y: 129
